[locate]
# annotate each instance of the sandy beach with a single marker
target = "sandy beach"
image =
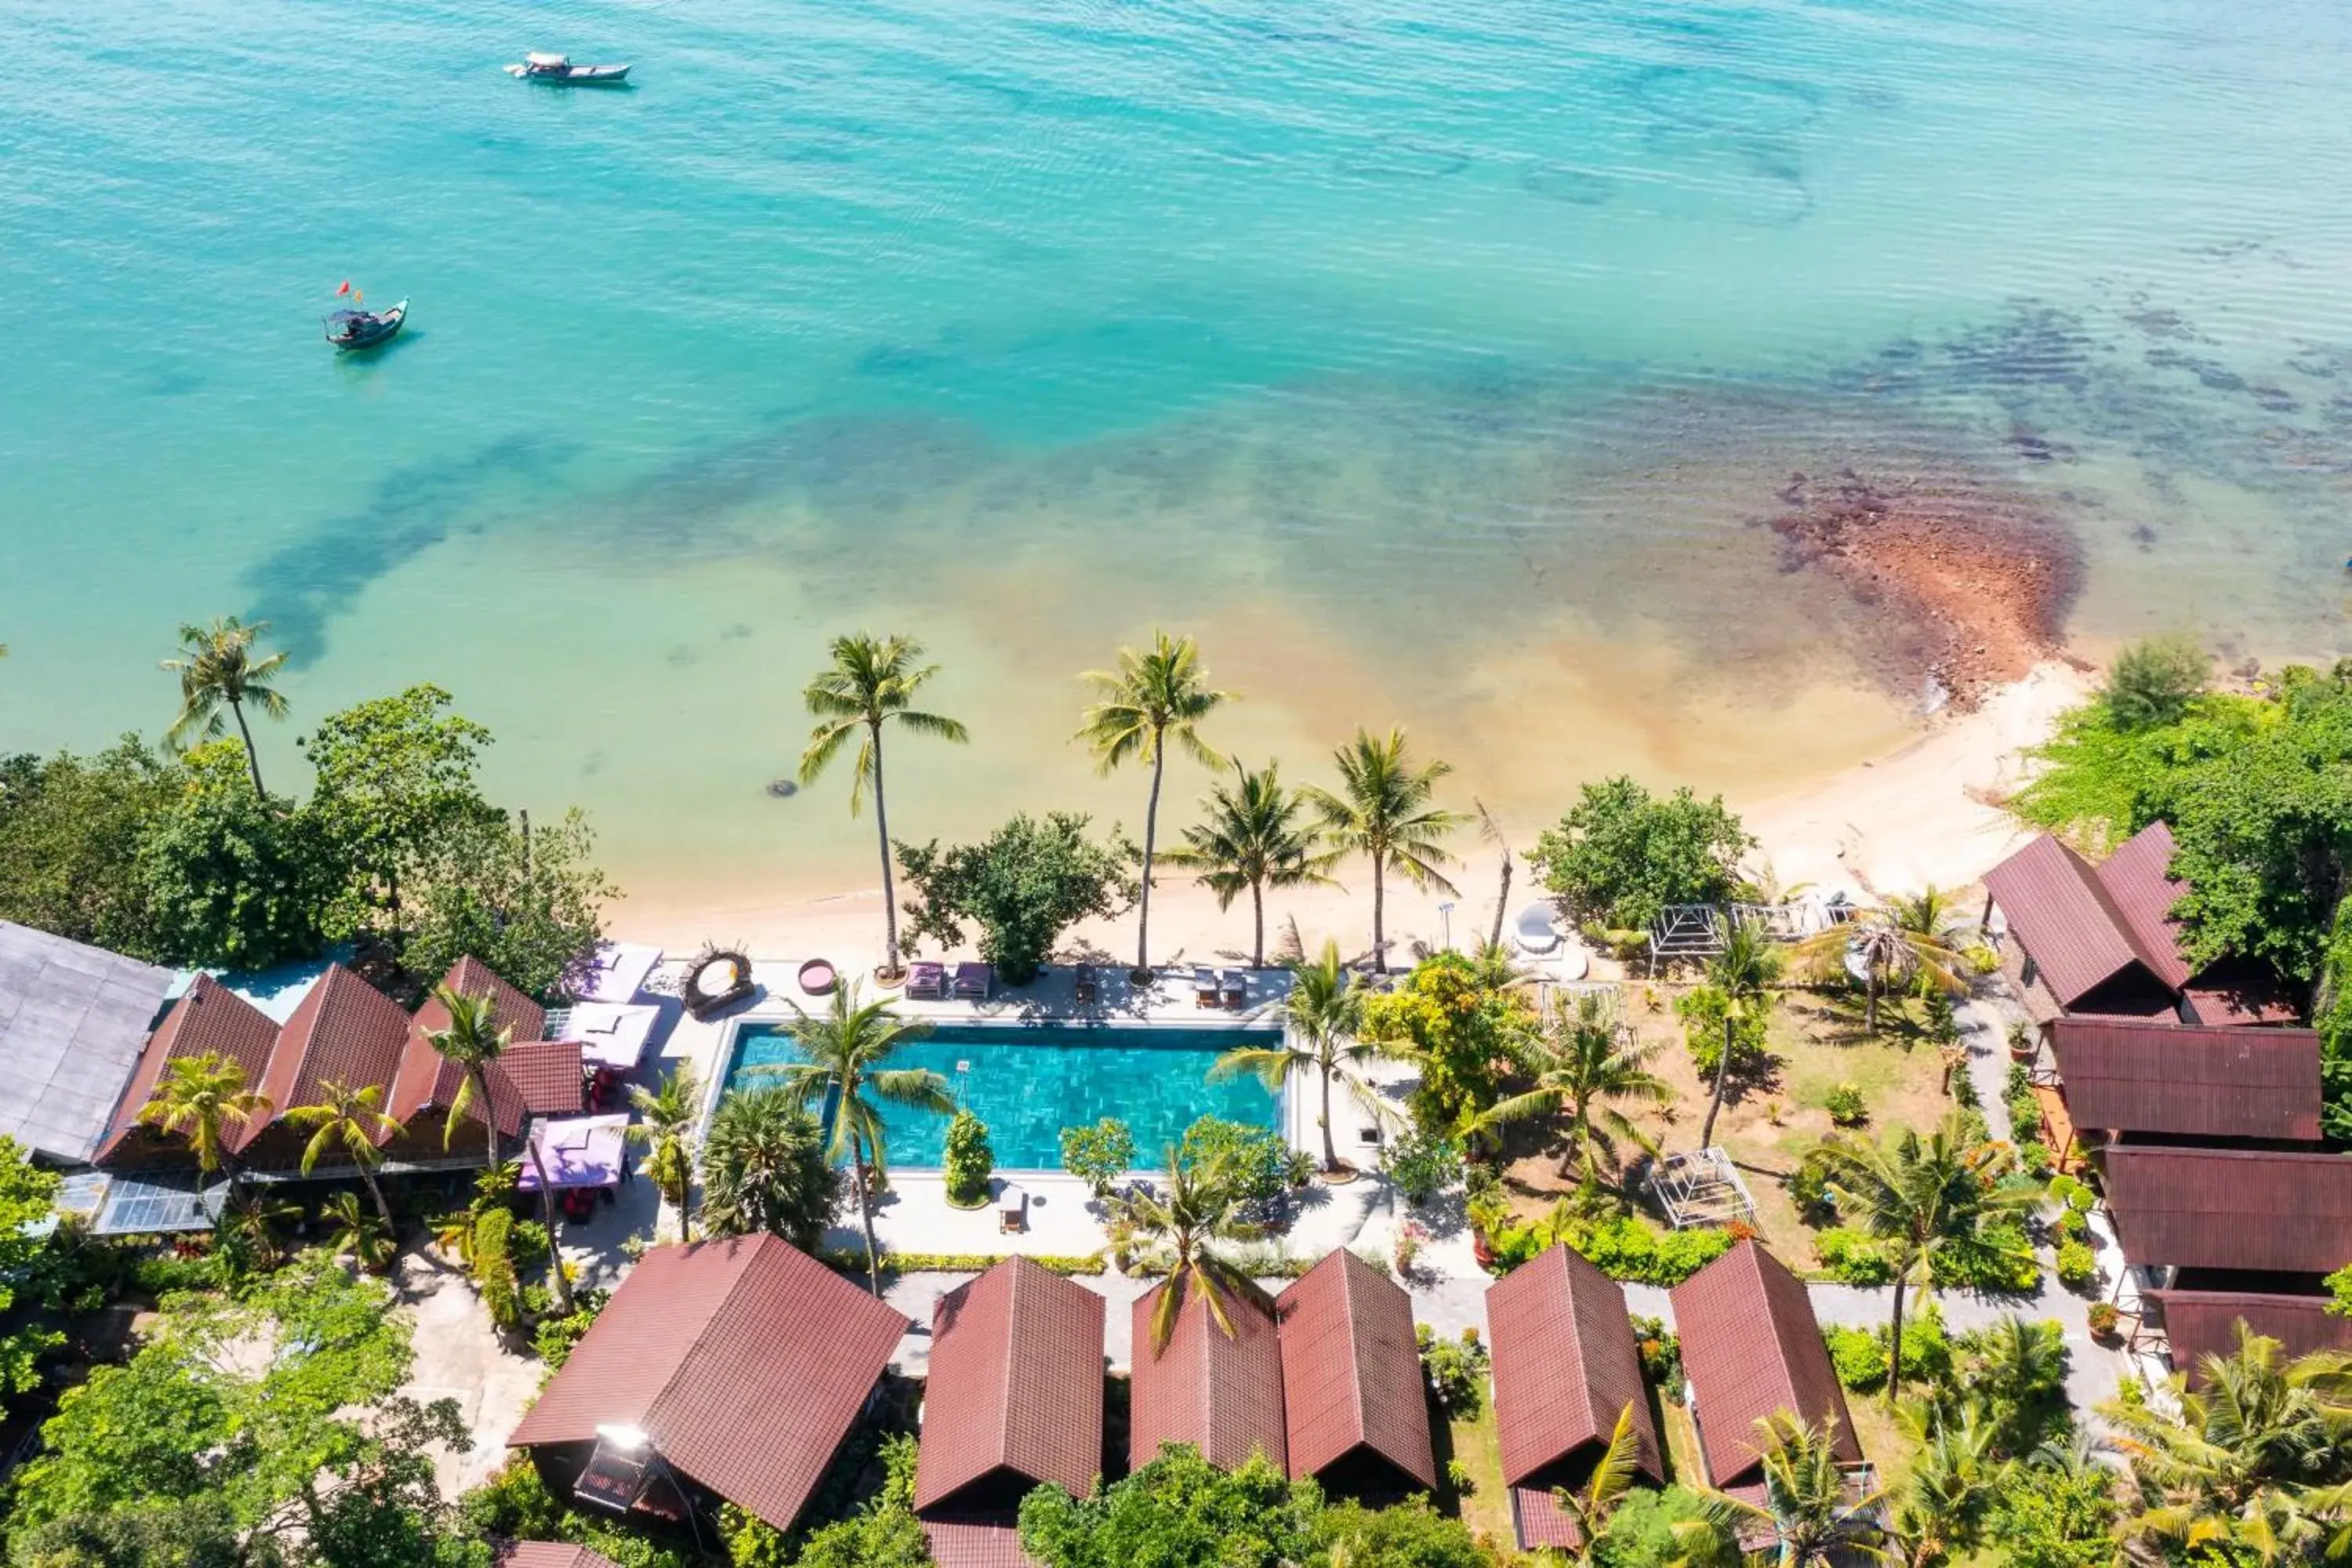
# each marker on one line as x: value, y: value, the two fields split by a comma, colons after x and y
x: 1919, y: 814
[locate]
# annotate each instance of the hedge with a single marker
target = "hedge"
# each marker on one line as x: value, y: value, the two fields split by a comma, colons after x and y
x: 852, y: 1261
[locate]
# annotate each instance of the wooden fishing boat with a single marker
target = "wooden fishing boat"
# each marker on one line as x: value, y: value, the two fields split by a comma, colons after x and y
x: 558, y: 70
x: 350, y: 330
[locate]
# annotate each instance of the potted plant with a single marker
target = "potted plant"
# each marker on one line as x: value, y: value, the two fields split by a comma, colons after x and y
x: 2104, y: 1320
x: 2023, y: 1043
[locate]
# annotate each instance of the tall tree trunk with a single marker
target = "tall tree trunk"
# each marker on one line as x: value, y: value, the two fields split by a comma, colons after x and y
x: 1143, y: 974
x: 891, y: 965
x: 1257, y: 940
x: 1870, y: 1001
x: 252, y: 758
x: 1502, y: 898
x: 866, y: 1215
x: 481, y: 1077
x: 1330, y: 1149
x: 1722, y: 1071
x: 1575, y: 1142
x: 392, y: 905
x: 547, y: 1219
x: 382, y: 1209
x: 1895, y: 1343
x: 685, y: 1196
x: 1380, y: 929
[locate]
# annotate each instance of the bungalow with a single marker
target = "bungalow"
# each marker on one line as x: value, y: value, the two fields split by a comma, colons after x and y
x: 2201, y: 1323
x: 1753, y: 1349
x: 1219, y: 1392
x: 1566, y: 1368
x: 209, y: 1020
x: 1355, y: 1412
x: 1014, y: 1401
x: 344, y: 1031
x: 2135, y: 1079
x: 2237, y: 1211
x: 533, y: 1075
x: 720, y: 1370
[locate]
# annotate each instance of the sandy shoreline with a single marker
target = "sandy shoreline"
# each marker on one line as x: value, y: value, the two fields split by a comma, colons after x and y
x: 1917, y: 815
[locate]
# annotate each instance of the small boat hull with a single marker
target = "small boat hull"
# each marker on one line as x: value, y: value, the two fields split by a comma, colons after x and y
x: 352, y: 331
x: 573, y: 76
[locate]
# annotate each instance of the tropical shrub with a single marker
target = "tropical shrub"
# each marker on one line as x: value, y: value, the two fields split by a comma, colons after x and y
x: 1098, y: 1155
x: 1849, y: 1258
x: 1662, y: 1355
x: 1410, y: 1534
x: 884, y: 1534
x: 555, y: 1337
x: 515, y: 1504
x: 2004, y: 1264
x: 1859, y: 1360
x: 967, y: 1160
x: 1257, y: 1158
x: 2102, y: 1317
x: 1023, y: 886
x: 2340, y: 1290
x: 1456, y: 1369
x: 1861, y: 1355
x: 1177, y: 1509
x: 1421, y: 1165
x: 764, y: 1169
x: 1702, y: 1010
x: 852, y: 1262
x: 2078, y: 1267
x: 1622, y: 855
x: 494, y: 1268
x: 1464, y: 1020
x: 1846, y: 1105
x: 2056, y: 1517
x: 1622, y: 1246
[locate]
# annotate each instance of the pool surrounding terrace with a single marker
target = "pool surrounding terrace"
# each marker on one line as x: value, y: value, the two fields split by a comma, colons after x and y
x: 1028, y: 1082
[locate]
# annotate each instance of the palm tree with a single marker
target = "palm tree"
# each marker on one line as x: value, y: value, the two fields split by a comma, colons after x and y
x: 1383, y: 812
x: 1254, y: 840
x: 473, y: 1040
x: 666, y: 1127
x: 352, y: 1229
x: 1325, y: 1012
x: 1583, y: 1068
x: 872, y: 679
x: 1492, y: 832
x: 2018, y: 1368
x: 1199, y: 1211
x: 1953, y: 1478
x: 764, y: 1169
x: 216, y: 667
x: 1917, y: 936
x: 1811, y: 1511
x: 1925, y: 1198
x: 1745, y: 971
x: 1610, y: 1483
x: 848, y: 1050
x: 352, y: 1120
x: 1149, y: 701
x: 2256, y: 1466
x: 205, y: 1099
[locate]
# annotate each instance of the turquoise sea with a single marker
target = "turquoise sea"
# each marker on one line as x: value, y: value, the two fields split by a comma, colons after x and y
x: 1433, y: 363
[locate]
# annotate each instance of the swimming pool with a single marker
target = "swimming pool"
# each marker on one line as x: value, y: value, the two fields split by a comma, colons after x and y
x: 1028, y: 1082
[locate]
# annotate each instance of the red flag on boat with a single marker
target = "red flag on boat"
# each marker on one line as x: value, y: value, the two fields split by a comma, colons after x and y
x: 344, y: 290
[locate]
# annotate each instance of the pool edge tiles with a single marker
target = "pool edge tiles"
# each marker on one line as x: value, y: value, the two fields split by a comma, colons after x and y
x: 1029, y: 1081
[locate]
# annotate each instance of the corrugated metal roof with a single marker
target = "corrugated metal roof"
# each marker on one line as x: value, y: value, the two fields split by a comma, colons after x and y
x: 2230, y: 1208
x: 548, y: 1554
x: 1222, y: 1395
x: 73, y: 1019
x: 1751, y: 1349
x: 1016, y: 1386
x: 2084, y: 927
x: 345, y: 1031
x: 209, y: 1020
x: 2200, y: 1323
x: 2131, y: 1077
x: 745, y: 1361
x: 1566, y: 1366
x: 1351, y: 1371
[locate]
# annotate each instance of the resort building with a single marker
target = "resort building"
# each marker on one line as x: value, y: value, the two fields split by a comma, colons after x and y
x: 2235, y: 1210
x: 2201, y: 1323
x: 1219, y: 1392
x: 1014, y: 1401
x: 720, y: 1370
x: 1566, y: 1368
x: 209, y: 1020
x: 345, y: 1031
x: 1753, y: 1349
x: 73, y: 1020
x: 548, y: 1554
x: 2100, y: 941
x: 2134, y: 1080
x: 533, y: 1075
x: 1355, y: 1414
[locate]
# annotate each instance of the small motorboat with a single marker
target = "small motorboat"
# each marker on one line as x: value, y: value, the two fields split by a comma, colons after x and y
x: 350, y: 330
x: 560, y: 70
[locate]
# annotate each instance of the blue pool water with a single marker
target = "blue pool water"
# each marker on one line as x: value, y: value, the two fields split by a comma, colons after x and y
x: 1029, y: 1083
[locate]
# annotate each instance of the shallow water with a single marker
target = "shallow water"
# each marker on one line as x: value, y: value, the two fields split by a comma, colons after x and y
x: 1433, y: 365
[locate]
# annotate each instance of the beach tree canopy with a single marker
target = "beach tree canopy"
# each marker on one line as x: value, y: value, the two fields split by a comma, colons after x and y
x: 1023, y: 886
x: 2151, y: 682
x: 1462, y: 1023
x: 69, y: 833
x: 1623, y: 855
x: 1177, y: 1511
x: 1385, y: 810
x: 1254, y: 837
x: 217, y: 670
x: 870, y: 681
x: 234, y: 880
x: 526, y: 898
x: 26, y: 1191
x: 1152, y: 698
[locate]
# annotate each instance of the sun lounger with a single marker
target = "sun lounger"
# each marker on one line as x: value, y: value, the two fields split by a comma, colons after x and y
x: 1088, y: 985
x: 1236, y: 988
x: 1013, y: 1209
x: 973, y: 982
x: 927, y: 982
x: 1204, y: 987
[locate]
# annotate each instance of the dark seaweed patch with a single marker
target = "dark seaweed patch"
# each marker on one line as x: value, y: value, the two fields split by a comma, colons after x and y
x: 1558, y: 183
x: 1712, y: 98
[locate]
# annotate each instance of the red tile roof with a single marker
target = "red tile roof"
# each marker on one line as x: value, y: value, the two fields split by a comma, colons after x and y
x: 2084, y: 927
x: 343, y: 1030
x: 1222, y: 1395
x: 1351, y: 1383
x: 548, y: 1554
x: 1566, y: 1367
x: 428, y: 1081
x: 963, y: 1544
x: 1015, y: 1390
x: 2230, y: 1208
x: 1752, y: 1348
x: 2200, y: 1323
x: 2130, y: 1077
x: 745, y: 1361
x: 209, y: 1020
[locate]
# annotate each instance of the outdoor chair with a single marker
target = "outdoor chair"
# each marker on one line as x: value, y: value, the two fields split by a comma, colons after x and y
x: 1013, y: 1209
x: 1204, y: 987
x: 1087, y: 985
x: 973, y: 982
x: 926, y: 982
x: 1236, y: 989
